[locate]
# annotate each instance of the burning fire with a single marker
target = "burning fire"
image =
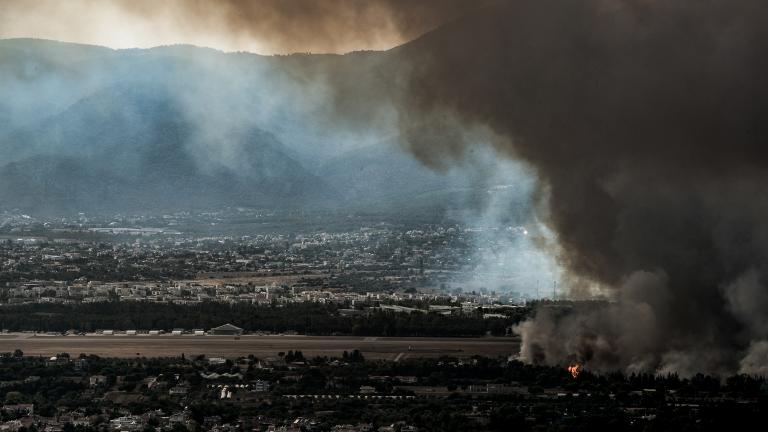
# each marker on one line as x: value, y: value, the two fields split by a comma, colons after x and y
x: 574, y: 369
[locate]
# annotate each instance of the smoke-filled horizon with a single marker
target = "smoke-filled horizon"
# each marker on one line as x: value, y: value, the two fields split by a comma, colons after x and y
x: 260, y: 26
x: 180, y: 128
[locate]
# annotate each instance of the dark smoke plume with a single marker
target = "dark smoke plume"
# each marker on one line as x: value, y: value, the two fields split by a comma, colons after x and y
x: 647, y: 124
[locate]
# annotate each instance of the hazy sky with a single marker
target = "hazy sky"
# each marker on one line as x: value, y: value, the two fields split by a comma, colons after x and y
x: 261, y: 26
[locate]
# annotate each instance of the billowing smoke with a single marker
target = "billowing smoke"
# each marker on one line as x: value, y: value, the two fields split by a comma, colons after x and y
x: 646, y: 123
x: 509, y: 246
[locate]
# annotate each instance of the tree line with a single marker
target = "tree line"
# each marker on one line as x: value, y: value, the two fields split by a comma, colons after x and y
x: 304, y: 318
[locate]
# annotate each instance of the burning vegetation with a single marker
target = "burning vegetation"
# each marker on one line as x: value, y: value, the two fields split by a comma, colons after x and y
x: 575, y: 370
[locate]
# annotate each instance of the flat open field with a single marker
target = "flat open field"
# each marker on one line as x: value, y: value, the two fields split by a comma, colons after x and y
x: 261, y: 346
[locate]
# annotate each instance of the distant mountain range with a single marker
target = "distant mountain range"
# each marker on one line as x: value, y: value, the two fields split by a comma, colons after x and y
x: 127, y: 148
x: 85, y: 128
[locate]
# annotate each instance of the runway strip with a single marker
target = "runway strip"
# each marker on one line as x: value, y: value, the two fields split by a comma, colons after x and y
x: 258, y: 345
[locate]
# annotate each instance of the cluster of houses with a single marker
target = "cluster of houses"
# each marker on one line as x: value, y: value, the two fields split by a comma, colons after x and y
x: 189, y: 293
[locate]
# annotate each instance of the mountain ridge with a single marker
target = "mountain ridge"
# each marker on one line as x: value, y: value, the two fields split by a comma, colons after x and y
x: 193, y: 126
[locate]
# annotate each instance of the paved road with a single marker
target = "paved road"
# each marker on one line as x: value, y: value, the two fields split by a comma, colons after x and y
x: 258, y: 345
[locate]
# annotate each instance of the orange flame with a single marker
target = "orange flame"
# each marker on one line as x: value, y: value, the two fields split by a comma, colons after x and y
x: 574, y: 369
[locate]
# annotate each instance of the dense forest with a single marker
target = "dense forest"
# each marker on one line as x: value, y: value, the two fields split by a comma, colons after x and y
x: 305, y: 318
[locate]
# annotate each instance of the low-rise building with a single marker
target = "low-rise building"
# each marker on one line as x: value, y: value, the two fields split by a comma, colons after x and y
x: 227, y: 330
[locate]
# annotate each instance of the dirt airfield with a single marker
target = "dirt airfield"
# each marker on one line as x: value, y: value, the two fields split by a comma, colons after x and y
x: 388, y: 348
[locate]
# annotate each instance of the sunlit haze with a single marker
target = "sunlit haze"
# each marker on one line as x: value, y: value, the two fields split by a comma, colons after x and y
x: 264, y: 27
